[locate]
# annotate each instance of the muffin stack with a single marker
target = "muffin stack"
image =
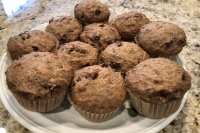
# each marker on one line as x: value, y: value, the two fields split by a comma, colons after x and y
x: 96, y: 63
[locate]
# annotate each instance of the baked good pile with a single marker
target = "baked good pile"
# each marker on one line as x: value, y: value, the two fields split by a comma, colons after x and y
x: 98, y: 64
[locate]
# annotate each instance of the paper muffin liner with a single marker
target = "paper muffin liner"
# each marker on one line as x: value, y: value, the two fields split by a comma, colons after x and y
x: 154, y: 110
x: 95, y: 117
x: 42, y: 104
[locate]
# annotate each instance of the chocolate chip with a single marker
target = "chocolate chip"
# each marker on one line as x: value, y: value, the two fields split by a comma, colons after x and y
x: 167, y: 45
x: 96, y: 38
x: 35, y: 48
x: 82, y: 17
x: 182, y: 42
x: 163, y: 93
x: 71, y: 50
x: 97, y: 12
x: 92, y: 76
x: 101, y: 25
x: 119, y: 44
x: 63, y: 39
x: 25, y: 35
x: 157, y: 81
x: 78, y: 79
x: 115, y: 65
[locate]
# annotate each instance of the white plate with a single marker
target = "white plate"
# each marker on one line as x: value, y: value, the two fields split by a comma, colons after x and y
x: 69, y: 120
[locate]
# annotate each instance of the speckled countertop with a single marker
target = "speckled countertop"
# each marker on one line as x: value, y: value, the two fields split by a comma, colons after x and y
x: 185, y: 13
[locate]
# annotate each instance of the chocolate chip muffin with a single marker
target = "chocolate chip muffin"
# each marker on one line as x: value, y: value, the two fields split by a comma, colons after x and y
x: 128, y: 24
x: 91, y: 11
x: 97, y: 92
x: 123, y: 56
x: 65, y: 28
x: 78, y: 54
x: 39, y: 81
x: 157, y: 86
x: 161, y: 39
x: 100, y: 35
x: 31, y: 41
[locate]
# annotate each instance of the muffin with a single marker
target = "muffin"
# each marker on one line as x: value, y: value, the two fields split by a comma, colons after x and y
x: 97, y: 93
x: 161, y: 39
x: 78, y: 54
x: 91, y: 11
x: 39, y: 81
x: 123, y: 56
x: 157, y: 86
x: 100, y: 35
x: 65, y: 28
x: 128, y: 24
x: 31, y: 41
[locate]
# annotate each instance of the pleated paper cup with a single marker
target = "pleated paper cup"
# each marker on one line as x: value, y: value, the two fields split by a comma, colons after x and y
x: 154, y: 110
x: 96, y: 117
x: 41, y: 104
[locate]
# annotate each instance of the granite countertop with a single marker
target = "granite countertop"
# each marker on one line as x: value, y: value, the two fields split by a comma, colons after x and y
x: 185, y: 13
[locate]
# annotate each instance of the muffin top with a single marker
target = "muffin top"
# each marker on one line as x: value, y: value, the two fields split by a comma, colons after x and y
x: 98, y: 89
x: 158, y: 80
x: 128, y: 24
x: 38, y: 74
x: 100, y: 35
x: 78, y: 54
x: 123, y: 55
x: 161, y: 38
x: 31, y: 41
x: 91, y: 11
x: 65, y: 28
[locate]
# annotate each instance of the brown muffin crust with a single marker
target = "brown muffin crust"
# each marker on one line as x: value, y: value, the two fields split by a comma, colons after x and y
x: 65, y: 28
x: 161, y: 38
x: 38, y: 74
x: 91, y: 11
x: 78, y: 54
x: 100, y: 35
x: 31, y: 41
x: 123, y: 55
x: 158, y: 80
x: 98, y: 89
x: 128, y: 24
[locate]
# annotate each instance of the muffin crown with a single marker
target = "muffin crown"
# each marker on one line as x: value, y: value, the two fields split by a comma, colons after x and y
x: 97, y: 89
x: 91, y: 11
x: 123, y: 55
x: 100, y: 35
x: 161, y: 38
x: 78, y: 54
x: 65, y: 28
x: 32, y: 41
x: 38, y: 74
x: 128, y: 24
x: 158, y: 80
